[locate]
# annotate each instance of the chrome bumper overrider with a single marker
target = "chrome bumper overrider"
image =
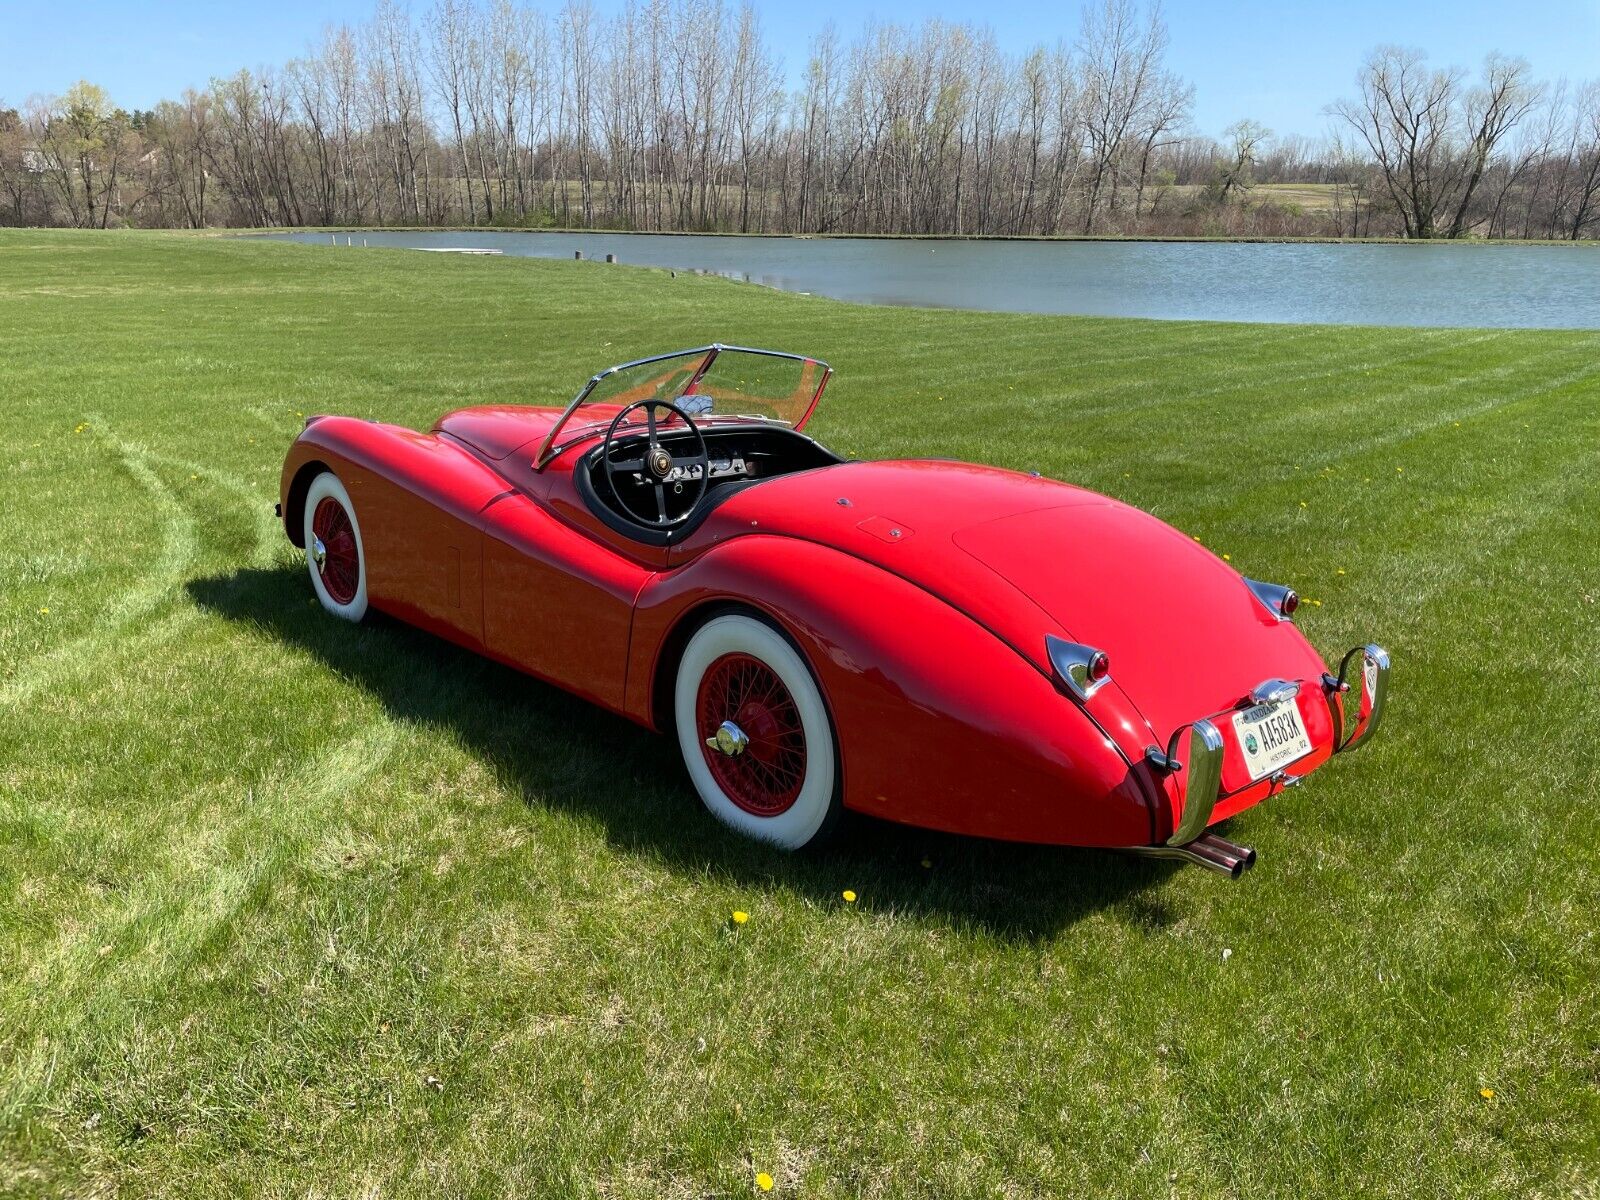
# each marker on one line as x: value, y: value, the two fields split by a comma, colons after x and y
x: 1196, y: 752
x: 1374, y: 683
x: 1200, y: 762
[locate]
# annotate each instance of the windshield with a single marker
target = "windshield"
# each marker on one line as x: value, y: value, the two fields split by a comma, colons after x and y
x: 712, y: 381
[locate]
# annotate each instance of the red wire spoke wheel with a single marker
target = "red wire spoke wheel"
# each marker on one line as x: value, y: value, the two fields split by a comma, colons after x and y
x: 765, y: 776
x: 755, y: 733
x: 341, y: 563
x: 335, y: 555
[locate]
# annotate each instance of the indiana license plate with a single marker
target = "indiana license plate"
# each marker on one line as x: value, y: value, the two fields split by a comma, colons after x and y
x: 1271, y: 736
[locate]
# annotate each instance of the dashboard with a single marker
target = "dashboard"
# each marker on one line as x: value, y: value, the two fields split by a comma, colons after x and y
x: 735, y: 457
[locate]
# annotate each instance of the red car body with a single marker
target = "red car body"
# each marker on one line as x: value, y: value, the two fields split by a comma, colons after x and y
x: 929, y: 598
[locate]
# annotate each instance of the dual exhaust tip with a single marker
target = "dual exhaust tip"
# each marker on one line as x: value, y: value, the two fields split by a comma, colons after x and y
x: 1209, y: 850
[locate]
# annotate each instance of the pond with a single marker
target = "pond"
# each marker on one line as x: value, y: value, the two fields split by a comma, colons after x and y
x: 1511, y: 286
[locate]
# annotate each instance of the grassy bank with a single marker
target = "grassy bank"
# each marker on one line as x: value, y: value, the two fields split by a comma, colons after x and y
x: 300, y: 910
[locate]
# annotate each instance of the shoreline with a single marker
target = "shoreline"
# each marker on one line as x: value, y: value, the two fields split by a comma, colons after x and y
x: 1590, y: 243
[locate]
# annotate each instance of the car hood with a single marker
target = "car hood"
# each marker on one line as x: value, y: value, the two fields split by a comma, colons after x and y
x: 1027, y: 557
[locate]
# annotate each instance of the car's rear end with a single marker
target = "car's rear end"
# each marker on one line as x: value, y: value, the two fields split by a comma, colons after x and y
x: 1198, y: 674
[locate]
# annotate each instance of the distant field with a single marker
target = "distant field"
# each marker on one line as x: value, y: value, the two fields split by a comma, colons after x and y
x: 298, y: 910
x: 1310, y: 197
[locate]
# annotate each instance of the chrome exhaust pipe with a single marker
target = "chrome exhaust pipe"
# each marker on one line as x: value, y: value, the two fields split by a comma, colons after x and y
x: 1244, y: 854
x: 1209, y: 850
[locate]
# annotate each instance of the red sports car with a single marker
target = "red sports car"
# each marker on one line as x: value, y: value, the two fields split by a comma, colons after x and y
x: 941, y: 644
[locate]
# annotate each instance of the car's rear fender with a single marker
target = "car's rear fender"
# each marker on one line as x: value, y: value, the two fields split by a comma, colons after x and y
x: 939, y: 722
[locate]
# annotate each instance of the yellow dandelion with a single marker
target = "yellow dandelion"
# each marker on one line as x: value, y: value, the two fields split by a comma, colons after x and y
x: 1341, y: 570
x: 849, y: 896
x: 1318, y: 603
x: 1227, y: 558
x: 44, y: 612
x: 763, y: 1181
x: 1196, y: 537
x: 739, y: 918
x: 1486, y: 1093
x: 1303, y: 504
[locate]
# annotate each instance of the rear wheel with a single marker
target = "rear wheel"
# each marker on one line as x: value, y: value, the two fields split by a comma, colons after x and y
x: 334, y: 553
x: 755, y: 733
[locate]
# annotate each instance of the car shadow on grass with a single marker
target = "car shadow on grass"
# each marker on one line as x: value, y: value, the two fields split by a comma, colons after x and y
x: 560, y: 753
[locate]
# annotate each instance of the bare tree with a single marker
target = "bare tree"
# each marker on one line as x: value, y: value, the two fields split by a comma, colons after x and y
x: 1431, y: 136
x: 673, y: 114
x: 1234, y: 172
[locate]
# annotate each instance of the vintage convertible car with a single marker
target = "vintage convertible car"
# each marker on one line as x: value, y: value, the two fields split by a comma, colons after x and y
x: 950, y: 646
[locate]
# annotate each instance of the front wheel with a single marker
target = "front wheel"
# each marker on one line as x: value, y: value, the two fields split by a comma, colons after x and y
x: 334, y: 554
x: 755, y: 733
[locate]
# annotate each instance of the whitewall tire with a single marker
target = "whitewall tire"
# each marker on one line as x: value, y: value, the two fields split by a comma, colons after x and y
x: 771, y: 771
x: 334, y: 552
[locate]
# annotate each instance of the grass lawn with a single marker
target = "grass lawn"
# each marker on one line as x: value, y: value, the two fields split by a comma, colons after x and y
x: 296, y: 909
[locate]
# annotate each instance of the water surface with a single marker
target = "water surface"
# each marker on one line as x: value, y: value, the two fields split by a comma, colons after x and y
x: 1508, y: 286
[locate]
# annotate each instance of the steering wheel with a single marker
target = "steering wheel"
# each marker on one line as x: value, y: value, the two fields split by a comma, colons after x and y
x: 655, y: 466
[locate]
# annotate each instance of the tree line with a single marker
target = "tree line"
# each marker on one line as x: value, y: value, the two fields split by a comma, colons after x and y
x: 679, y: 115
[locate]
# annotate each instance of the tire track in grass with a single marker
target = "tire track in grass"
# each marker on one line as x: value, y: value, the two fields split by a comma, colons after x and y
x: 180, y: 544
x: 75, y: 989
x: 268, y: 533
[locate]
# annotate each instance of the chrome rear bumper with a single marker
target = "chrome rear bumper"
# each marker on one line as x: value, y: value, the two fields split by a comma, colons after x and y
x: 1196, y: 752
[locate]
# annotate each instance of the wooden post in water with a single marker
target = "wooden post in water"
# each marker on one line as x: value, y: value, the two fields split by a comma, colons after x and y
x: 578, y: 255
x: 611, y: 258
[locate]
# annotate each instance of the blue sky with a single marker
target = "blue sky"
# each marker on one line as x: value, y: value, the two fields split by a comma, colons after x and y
x: 1277, y: 61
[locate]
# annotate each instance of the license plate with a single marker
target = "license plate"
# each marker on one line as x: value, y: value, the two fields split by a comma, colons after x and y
x: 1271, y: 736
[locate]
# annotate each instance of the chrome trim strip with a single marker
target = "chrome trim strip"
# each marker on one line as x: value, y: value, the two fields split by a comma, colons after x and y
x: 1202, y: 763
x: 1071, y: 661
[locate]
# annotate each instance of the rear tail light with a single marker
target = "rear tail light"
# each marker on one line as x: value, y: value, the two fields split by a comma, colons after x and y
x: 1079, y: 669
x: 1278, y: 600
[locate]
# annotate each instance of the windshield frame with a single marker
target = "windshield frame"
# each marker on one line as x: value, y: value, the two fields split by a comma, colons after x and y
x: 548, y: 449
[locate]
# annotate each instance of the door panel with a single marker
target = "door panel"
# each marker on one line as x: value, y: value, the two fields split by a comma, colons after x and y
x: 422, y: 561
x: 555, y: 603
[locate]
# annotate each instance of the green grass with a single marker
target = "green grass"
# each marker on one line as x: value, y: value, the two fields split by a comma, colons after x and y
x: 296, y: 909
